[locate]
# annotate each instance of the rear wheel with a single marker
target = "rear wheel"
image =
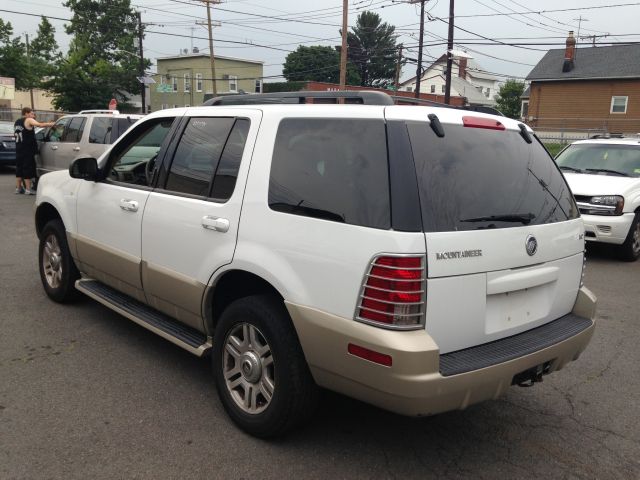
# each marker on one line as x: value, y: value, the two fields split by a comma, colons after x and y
x: 260, y: 371
x: 58, y: 272
x: 630, y: 249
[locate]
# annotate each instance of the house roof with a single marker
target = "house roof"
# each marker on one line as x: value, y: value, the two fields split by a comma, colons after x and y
x: 205, y: 55
x: 471, y: 92
x: 473, y: 70
x: 526, y: 93
x: 592, y: 63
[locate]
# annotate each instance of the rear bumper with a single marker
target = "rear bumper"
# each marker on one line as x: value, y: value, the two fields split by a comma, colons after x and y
x: 418, y: 382
x: 607, y: 229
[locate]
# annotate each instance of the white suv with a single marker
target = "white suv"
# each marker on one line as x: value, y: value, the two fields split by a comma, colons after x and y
x: 421, y: 259
x: 604, y: 175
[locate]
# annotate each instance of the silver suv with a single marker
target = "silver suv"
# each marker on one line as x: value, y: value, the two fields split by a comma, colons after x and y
x: 88, y: 133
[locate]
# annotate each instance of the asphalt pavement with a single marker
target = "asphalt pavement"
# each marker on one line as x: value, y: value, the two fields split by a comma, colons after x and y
x: 85, y: 393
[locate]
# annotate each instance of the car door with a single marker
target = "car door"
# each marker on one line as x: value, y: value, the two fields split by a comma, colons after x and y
x: 190, y: 225
x: 109, y: 212
x: 51, y: 145
x: 69, y: 147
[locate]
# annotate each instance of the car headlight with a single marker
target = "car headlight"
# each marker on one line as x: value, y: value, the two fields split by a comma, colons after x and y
x: 613, y: 204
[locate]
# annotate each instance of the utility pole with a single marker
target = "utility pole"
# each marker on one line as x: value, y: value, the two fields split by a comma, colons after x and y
x: 419, y: 68
x: 143, y: 85
x: 398, y: 67
x: 343, y: 50
x: 26, y: 36
x: 211, y: 56
x: 447, y: 90
x: 580, y: 19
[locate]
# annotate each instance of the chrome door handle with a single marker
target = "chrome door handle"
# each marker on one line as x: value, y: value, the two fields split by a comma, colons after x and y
x: 215, y: 223
x: 129, y: 205
x: 76, y: 149
x: 54, y: 147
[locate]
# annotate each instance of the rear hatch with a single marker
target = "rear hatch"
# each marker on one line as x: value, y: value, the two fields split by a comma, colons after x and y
x: 503, y: 235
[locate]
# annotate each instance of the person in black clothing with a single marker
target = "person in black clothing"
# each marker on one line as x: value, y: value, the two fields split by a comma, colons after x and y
x: 26, y: 149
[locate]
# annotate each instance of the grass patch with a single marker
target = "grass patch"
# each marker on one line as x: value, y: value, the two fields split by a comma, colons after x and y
x: 554, y: 148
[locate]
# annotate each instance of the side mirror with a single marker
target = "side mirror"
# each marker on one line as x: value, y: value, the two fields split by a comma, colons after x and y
x: 84, y: 168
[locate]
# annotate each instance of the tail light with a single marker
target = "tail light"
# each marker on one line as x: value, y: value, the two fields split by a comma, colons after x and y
x: 482, y: 122
x: 393, y: 293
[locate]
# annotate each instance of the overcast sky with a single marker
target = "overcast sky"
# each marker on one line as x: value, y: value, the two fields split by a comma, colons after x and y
x: 285, y: 24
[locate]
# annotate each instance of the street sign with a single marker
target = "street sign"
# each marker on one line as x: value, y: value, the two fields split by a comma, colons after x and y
x: 113, y: 104
x: 164, y: 88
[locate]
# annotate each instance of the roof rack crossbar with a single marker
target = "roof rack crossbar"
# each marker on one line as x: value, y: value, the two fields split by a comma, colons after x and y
x: 360, y: 97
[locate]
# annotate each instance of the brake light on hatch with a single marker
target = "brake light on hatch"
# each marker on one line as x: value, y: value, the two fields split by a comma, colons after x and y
x: 394, y: 292
x: 481, y: 122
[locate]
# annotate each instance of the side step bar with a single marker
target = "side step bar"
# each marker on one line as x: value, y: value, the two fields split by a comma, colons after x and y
x: 186, y: 337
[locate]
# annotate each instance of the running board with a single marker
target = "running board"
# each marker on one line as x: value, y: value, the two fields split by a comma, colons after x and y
x: 170, y: 329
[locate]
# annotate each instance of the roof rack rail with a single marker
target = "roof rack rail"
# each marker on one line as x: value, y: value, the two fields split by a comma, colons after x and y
x: 113, y: 112
x: 430, y: 103
x: 363, y: 97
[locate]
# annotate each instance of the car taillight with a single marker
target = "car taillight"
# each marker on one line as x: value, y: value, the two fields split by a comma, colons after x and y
x: 482, y: 122
x: 393, y: 292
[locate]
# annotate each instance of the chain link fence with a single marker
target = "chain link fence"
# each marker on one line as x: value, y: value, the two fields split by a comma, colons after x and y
x: 564, y: 131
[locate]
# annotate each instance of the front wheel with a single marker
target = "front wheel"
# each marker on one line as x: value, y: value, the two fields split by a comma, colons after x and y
x: 630, y: 249
x: 58, y: 272
x: 260, y: 371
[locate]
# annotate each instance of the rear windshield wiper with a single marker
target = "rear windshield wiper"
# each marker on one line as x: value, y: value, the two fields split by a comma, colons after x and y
x: 606, y: 170
x: 524, y: 218
x: 573, y: 169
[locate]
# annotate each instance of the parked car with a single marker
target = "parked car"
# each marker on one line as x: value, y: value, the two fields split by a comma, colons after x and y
x: 88, y: 133
x: 7, y: 145
x: 604, y: 175
x: 420, y: 259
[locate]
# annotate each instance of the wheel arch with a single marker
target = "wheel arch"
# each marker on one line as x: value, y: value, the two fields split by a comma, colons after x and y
x: 229, y: 287
x: 44, y: 214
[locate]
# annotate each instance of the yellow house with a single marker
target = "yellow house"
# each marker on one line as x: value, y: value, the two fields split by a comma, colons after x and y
x: 184, y: 80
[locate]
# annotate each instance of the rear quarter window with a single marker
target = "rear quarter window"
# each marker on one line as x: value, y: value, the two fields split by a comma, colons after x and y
x: 332, y: 169
x: 477, y: 179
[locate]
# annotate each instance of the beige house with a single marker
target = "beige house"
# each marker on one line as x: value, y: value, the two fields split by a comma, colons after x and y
x: 184, y: 80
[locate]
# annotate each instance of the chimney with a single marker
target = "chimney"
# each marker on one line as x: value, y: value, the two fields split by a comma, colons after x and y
x: 569, y: 53
x: 462, y: 68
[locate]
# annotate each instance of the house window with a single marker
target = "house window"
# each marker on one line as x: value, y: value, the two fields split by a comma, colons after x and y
x: 198, y: 82
x: 233, y: 83
x: 488, y: 92
x: 409, y: 89
x: 433, y: 89
x: 619, y: 104
x: 525, y: 109
x: 174, y: 81
x: 187, y: 82
x: 258, y: 88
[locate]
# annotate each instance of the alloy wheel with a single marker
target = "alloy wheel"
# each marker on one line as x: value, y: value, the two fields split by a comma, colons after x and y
x: 52, y: 261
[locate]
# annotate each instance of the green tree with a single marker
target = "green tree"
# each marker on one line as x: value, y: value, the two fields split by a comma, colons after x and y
x: 44, y: 53
x: 13, y: 59
x: 317, y: 63
x: 373, y: 50
x: 508, y: 98
x: 102, y: 62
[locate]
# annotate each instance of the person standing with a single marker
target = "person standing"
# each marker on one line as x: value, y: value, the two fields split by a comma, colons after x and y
x: 26, y: 149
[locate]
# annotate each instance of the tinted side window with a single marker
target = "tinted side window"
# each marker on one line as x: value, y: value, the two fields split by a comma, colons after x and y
x: 197, y: 155
x: 476, y: 179
x: 74, y: 130
x: 101, y: 130
x: 227, y: 172
x: 334, y: 169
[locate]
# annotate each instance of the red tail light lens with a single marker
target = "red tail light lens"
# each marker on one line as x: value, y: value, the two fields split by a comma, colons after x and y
x: 394, y: 292
x: 481, y: 122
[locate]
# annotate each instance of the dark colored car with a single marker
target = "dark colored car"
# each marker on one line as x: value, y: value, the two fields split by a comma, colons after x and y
x: 7, y: 144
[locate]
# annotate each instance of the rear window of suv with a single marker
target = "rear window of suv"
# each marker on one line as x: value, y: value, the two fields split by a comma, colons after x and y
x: 332, y: 169
x: 475, y: 179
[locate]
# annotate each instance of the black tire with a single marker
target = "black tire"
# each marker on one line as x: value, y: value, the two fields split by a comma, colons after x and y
x: 58, y: 272
x: 294, y: 393
x: 630, y: 250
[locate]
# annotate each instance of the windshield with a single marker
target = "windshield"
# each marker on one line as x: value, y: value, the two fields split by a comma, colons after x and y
x: 609, y: 159
x: 6, y: 128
